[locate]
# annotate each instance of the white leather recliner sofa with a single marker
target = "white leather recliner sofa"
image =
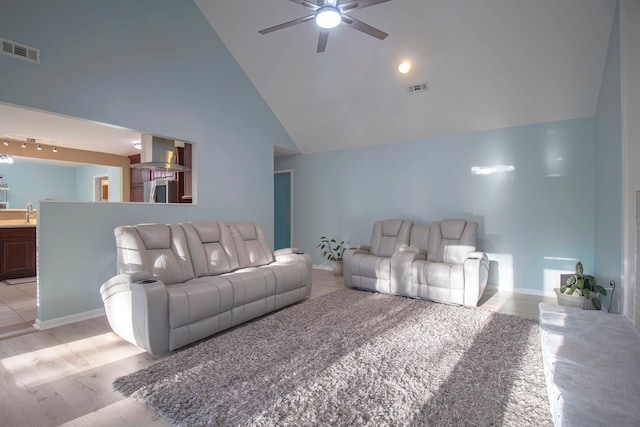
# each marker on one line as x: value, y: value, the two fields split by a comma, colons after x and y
x: 179, y: 283
x: 439, y: 263
x: 369, y: 267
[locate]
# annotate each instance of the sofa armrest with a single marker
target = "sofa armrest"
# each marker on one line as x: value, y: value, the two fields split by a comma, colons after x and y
x: 413, y: 249
x: 285, y: 251
x: 136, y: 306
x: 122, y: 282
x: 362, y: 247
x: 401, y: 270
x: 297, y: 256
x: 347, y: 259
x: 476, y: 274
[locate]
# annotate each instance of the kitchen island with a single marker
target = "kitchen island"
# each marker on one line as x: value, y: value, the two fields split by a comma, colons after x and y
x: 17, y: 244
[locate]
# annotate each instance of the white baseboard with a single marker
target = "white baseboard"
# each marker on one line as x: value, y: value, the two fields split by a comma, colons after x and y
x: 65, y: 320
x: 525, y: 291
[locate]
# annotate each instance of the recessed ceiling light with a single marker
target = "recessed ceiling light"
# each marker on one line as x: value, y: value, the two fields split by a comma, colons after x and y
x: 404, y: 67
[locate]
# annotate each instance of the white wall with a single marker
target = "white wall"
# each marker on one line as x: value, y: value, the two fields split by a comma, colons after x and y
x: 534, y: 222
x: 608, y: 172
x: 630, y: 79
x: 85, y: 185
x: 155, y: 66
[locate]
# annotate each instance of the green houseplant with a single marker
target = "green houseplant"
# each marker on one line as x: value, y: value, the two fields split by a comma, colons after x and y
x: 332, y: 250
x: 580, y: 290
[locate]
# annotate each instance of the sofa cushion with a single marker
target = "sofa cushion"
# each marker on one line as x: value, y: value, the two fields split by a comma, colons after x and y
x: 438, y: 274
x: 388, y: 235
x: 211, y: 246
x: 439, y: 281
x: 199, y: 299
x: 289, y: 275
x: 371, y: 266
x: 451, y: 240
x: 251, y: 244
x: 159, y: 248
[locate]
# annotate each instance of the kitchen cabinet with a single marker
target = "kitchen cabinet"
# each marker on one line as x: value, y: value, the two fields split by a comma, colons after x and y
x: 187, y: 161
x: 17, y: 252
x: 137, y: 180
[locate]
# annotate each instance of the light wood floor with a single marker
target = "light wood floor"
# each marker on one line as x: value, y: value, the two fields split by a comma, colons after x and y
x: 17, y: 308
x: 63, y: 376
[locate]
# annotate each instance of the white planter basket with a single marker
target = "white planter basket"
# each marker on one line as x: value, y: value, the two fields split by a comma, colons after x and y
x: 574, y: 300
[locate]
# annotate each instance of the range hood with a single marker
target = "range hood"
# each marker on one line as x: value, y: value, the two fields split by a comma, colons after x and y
x: 158, y: 154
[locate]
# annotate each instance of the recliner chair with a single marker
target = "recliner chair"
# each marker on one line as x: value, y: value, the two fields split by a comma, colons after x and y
x: 369, y: 267
x: 453, y: 272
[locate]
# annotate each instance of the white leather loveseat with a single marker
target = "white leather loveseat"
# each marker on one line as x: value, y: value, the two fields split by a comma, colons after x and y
x: 438, y: 263
x: 179, y: 283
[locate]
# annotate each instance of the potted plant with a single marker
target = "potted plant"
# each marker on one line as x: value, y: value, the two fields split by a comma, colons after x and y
x: 332, y: 251
x: 580, y: 290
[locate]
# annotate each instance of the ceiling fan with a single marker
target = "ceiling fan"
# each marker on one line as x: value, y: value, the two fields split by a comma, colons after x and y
x: 329, y: 14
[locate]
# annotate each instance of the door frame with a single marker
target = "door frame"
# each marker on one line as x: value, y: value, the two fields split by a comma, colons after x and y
x: 97, y: 187
x: 290, y: 172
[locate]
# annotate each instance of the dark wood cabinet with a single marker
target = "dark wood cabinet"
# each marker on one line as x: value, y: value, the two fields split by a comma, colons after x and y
x: 186, y: 177
x: 17, y: 252
x: 137, y: 180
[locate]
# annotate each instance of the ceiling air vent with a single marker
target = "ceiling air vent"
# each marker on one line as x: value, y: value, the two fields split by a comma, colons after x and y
x: 21, y: 51
x: 421, y: 87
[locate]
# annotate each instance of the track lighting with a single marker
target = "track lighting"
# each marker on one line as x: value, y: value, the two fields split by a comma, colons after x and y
x: 55, y: 149
x: 23, y: 145
x: 6, y: 142
x: 39, y: 147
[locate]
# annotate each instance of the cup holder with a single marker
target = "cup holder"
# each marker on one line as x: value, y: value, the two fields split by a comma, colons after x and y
x: 148, y: 281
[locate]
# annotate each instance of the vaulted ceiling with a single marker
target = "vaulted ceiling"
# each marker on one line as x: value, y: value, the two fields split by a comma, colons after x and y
x: 488, y: 64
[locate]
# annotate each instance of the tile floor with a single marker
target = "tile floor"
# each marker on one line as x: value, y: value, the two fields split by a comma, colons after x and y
x: 17, y: 308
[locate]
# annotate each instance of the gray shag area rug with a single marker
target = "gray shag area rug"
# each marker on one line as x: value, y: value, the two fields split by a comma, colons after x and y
x: 355, y: 358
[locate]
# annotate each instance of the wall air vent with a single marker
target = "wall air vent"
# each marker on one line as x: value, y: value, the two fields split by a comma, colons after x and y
x: 18, y: 50
x: 421, y: 87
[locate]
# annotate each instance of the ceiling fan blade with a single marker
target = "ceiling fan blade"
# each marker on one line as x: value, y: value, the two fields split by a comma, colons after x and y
x: 365, y: 28
x: 287, y: 24
x: 322, y: 40
x: 307, y: 4
x: 349, y: 5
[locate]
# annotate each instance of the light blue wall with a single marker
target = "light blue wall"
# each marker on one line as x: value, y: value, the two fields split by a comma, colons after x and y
x: 29, y: 182
x: 534, y: 222
x: 85, y: 181
x: 155, y: 66
x: 608, y: 170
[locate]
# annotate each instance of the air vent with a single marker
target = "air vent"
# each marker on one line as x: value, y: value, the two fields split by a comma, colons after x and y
x: 421, y: 87
x: 18, y: 50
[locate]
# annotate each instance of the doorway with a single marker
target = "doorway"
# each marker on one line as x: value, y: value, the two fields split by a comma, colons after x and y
x: 100, y: 188
x: 283, y: 209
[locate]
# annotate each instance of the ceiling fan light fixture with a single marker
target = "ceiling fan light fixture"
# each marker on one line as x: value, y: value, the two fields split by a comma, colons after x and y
x: 404, y: 67
x: 328, y: 17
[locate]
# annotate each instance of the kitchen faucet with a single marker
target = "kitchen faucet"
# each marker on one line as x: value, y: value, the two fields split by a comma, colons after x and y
x: 29, y: 212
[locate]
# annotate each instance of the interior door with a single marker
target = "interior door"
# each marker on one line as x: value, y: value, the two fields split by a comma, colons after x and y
x: 283, y: 209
